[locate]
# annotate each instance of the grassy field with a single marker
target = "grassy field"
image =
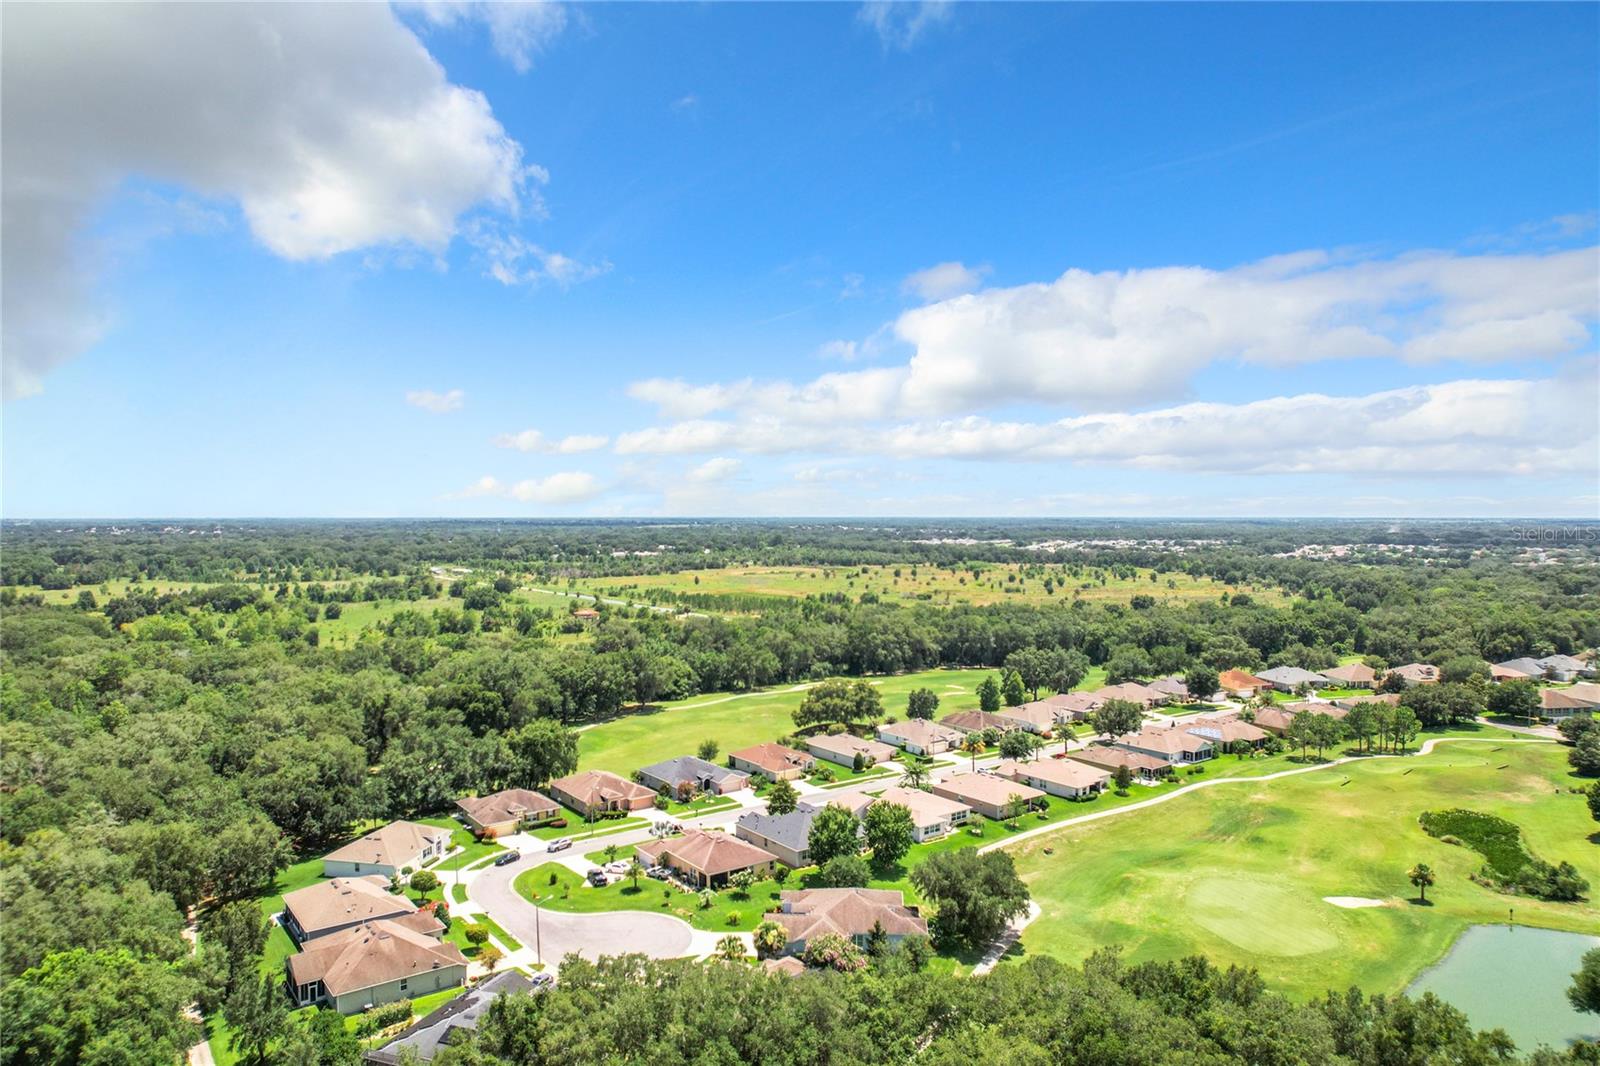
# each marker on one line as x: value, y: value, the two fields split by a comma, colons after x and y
x: 1239, y: 873
x: 738, y: 721
x: 982, y: 583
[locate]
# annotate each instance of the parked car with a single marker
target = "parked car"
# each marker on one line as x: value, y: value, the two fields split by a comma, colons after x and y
x: 618, y: 867
x: 507, y: 858
x: 658, y: 873
x: 559, y: 844
x: 597, y: 878
x: 542, y: 981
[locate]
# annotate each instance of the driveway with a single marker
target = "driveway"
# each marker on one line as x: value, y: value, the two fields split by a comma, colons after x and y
x: 553, y: 934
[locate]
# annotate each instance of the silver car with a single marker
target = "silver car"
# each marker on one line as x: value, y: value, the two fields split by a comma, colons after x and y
x: 559, y: 844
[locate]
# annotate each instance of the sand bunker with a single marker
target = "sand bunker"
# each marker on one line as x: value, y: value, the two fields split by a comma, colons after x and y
x: 1352, y: 902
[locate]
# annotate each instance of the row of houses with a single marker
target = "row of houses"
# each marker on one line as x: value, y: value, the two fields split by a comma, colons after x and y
x: 1550, y: 668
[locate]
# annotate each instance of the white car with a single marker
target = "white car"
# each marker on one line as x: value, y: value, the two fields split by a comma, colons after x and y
x: 618, y: 867
x: 559, y: 844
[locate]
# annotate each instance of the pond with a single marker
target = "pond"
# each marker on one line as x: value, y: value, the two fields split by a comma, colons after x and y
x: 1514, y: 977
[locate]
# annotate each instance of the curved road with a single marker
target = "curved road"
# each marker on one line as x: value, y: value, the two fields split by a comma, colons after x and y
x: 555, y: 934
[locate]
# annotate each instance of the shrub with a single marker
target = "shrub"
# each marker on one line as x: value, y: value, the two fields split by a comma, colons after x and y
x: 732, y: 918
x: 1508, y: 866
x: 380, y: 1018
x: 557, y: 823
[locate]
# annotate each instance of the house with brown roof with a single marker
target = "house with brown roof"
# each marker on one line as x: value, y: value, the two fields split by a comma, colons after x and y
x: 388, y: 851
x: 1058, y: 777
x: 918, y: 736
x: 987, y: 794
x: 508, y: 810
x: 1079, y: 705
x: 1240, y: 684
x: 842, y: 748
x: 1147, y: 768
x: 773, y: 761
x: 339, y: 903
x: 1416, y: 674
x: 787, y: 965
x: 980, y: 721
x: 1352, y: 675
x: 1041, y: 717
x: 1516, y: 670
x: 1133, y: 692
x: 1557, y: 703
x: 706, y: 859
x: 931, y: 816
x: 1226, y: 731
x: 592, y: 792
x: 1350, y: 703
x: 1174, y: 688
x: 853, y: 913
x: 1174, y: 745
x: 371, y: 964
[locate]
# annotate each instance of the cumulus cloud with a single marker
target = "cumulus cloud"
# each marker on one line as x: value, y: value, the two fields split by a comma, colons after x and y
x: 330, y: 126
x: 1517, y: 427
x: 437, y: 402
x: 1099, y: 341
x: 574, y: 486
x: 944, y: 280
x: 901, y: 23
x: 518, y: 29
x: 713, y: 470
x: 531, y: 440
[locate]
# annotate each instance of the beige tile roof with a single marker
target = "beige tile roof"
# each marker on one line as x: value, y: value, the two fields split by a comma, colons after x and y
x: 1063, y: 772
x: 920, y: 732
x: 342, y: 900
x: 847, y: 745
x: 1238, y: 679
x: 773, y: 758
x: 1104, y: 755
x: 395, y: 844
x: 591, y: 787
x: 848, y: 912
x: 787, y: 965
x: 1417, y: 672
x: 1167, y: 741
x: 507, y: 805
x: 978, y: 721
x: 1130, y: 690
x: 984, y: 788
x: 708, y: 853
x: 1352, y: 672
x: 372, y: 953
x: 1569, y: 699
x: 1225, y: 730
x: 926, y: 808
x: 1040, y: 713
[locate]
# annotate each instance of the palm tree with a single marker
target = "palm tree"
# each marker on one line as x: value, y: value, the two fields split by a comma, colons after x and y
x: 972, y: 745
x: 770, y: 939
x: 730, y: 948
x: 1421, y: 875
x: 611, y: 853
x: 636, y: 871
x: 916, y: 774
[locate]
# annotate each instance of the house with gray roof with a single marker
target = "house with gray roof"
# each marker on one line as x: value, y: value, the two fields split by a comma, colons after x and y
x: 1565, y: 667
x: 695, y: 773
x: 1290, y: 678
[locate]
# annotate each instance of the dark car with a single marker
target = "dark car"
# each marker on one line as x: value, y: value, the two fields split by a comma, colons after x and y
x: 508, y: 858
x: 598, y: 879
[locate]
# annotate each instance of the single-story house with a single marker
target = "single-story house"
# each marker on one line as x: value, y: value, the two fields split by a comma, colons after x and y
x: 1565, y: 667
x: 586, y: 614
x: 339, y: 903
x: 1350, y: 703
x: 1146, y: 768
x: 1078, y: 705
x: 1173, y: 688
x: 436, y: 1030
x: 1173, y: 745
x: 1058, y: 777
x: 690, y: 773
x: 1292, y: 678
x: 1276, y: 719
x: 1226, y: 731
x: 507, y: 810
x: 1566, y: 702
x: 592, y: 792
x: 931, y: 816
x: 371, y: 964
x: 1241, y: 684
x: 1523, y: 669
x: 706, y: 859
x: 1352, y: 675
x: 1040, y: 717
x: 842, y: 748
x: 1134, y: 692
x: 985, y: 793
x: 853, y: 913
x: 773, y: 761
x: 1416, y: 673
x: 788, y: 836
x: 919, y: 737
x: 978, y: 721
x: 388, y: 851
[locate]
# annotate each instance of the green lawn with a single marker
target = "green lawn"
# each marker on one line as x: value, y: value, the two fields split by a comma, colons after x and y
x: 701, y: 805
x: 740, y: 720
x: 578, y: 829
x: 1239, y: 873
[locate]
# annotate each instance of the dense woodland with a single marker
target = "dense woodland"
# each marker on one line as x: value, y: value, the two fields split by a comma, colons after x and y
x: 163, y: 751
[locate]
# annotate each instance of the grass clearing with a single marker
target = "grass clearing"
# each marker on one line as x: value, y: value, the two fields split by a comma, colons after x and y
x: 1239, y: 873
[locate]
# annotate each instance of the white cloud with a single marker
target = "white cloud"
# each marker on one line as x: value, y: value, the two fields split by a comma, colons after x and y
x: 518, y: 29
x: 713, y: 470
x: 511, y: 259
x: 1115, y: 339
x: 901, y: 23
x: 944, y: 280
x: 330, y: 126
x: 437, y: 402
x: 573, y: 486
x: 1526, y: 428
x: 685, y: 102
x: 531, y: 440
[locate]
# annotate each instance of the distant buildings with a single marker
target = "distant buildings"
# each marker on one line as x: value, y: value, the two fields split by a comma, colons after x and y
x: 918, y: 736
x: 842, y: 748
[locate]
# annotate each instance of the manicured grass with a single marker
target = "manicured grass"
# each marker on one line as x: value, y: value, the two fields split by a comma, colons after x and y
x: 1239, y: 873
x: 458, y: 893
x: 600, y: 858
x: 511, y: 942
x: 470, y: 854
x: 740, y: 720
x: 572, y: 894
x: 578, y: 829
x: 701, y: 805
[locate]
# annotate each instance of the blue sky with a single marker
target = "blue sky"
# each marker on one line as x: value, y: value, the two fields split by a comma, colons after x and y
x: 819, y: 259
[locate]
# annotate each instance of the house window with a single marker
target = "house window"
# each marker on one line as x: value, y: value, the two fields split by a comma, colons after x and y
x: 403, y: 983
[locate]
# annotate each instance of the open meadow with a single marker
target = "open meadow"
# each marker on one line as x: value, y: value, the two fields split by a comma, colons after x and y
x: 1239, y: 872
